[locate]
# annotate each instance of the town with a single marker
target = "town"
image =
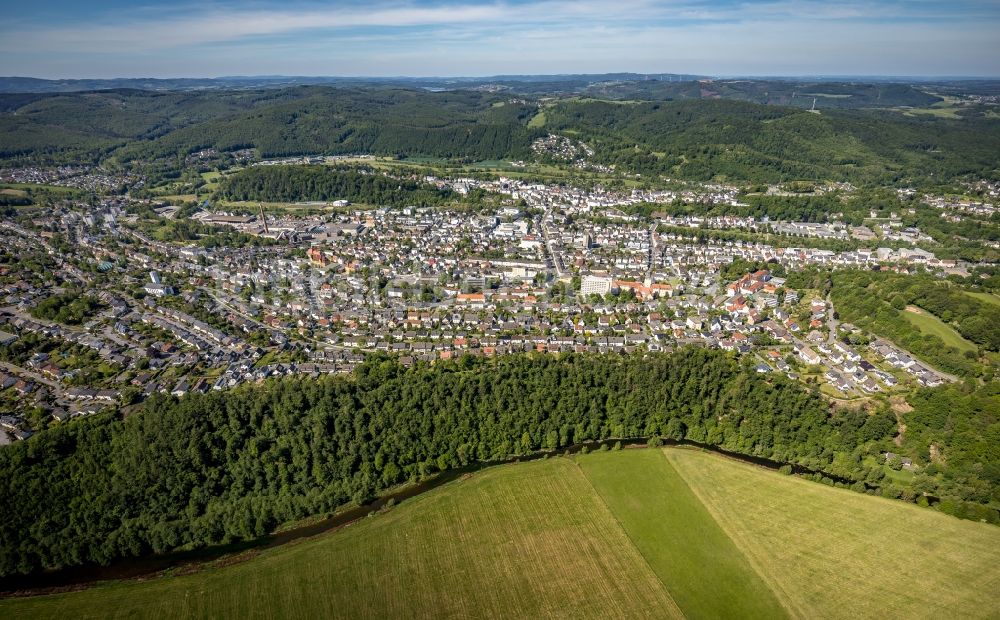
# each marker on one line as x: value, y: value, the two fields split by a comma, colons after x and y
x: 554, y: 269
x: 487, y: 309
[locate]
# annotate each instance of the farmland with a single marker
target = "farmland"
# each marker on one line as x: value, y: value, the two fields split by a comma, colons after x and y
x: 703, y: 570
x: 834, y: 553
x: 638, y: 533
x: 518, y: 541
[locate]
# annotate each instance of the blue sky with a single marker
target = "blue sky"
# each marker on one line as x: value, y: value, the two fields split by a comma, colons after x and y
x: 141, y: 38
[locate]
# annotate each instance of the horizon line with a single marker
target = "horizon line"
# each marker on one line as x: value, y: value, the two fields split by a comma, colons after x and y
x: 721, y: 76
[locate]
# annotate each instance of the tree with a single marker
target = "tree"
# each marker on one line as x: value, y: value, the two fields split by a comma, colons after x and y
x: 675, y: 429
x: 224, y: 466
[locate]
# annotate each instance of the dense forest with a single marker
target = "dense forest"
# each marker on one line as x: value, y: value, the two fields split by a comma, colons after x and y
x: 213, y: 468
x: 123, y: 126
x: 957, y: 427
x: 697, y: 139
x: 821, y: 95
x: 738, y: 141
x: 304, y: 183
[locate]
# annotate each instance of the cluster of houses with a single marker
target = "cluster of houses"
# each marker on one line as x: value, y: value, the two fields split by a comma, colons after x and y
x: 22, y: 386
x: 898, y: 358
x: 553, y: 269
x: 846, y: 371
x: 561, y: 147
x: 88, y: 178
x: 105, y: 348
x: 13, y: 426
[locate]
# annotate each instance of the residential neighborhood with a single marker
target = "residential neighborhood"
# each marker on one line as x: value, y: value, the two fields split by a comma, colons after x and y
x: 555, y: 269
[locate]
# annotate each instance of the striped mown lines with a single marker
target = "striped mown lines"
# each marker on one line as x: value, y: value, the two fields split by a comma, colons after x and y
x: 697, y: 562
x: 833, y: 553
x: 649, y: 533
x: 516, y: 541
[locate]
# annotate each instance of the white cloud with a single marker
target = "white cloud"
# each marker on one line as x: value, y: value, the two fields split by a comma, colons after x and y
x: 218, y: 27
x: 544, y: 36
x: 149, y: 31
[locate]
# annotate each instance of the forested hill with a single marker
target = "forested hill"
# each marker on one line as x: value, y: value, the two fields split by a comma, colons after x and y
x: 789, y: 91
x: 303, y: 183
x: 537, y: 84
x: 214, y: 468
x: 129, y: 125
x: 820, y: 95
x: 748, y: 142
x: 693, y: 139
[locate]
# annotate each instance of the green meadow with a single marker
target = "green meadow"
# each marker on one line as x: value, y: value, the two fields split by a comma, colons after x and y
x: 656, y: 533
x: 933, y: 326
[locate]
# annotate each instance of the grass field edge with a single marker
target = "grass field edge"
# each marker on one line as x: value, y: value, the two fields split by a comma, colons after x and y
x: 614, y: 519
x: 774, y: 584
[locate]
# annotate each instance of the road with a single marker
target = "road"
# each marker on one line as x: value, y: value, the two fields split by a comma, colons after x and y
x: 550, y: 245
x: 652, y: 246
x: 234, y: 310
x: 34, y: 376
x: 834, y: 322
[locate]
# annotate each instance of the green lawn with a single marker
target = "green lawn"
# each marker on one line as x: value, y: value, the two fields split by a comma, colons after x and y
x: 989, y: 298
x: 491, y: 164
x: 930, y: 324
x: 425, y: 160
x: 834, y: 553
x: 538, y: 120
x: 58, y: 189
x: 178, y: 197
x: 902, y: 477
x: 658, y: 533
x: 947, y: 112
x: 701, y: 567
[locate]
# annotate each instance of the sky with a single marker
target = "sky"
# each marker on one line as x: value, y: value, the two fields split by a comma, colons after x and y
x: 181, y: 38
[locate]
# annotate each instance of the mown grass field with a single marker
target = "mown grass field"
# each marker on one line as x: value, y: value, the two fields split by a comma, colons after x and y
x: 701, y: 567
x: 518, y: 541
x: 939, y: 112
x: 211, y: 180
x: 833, y: 553
x: 931, y: 325
x: 44, y: 186
x: 662, y: 533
